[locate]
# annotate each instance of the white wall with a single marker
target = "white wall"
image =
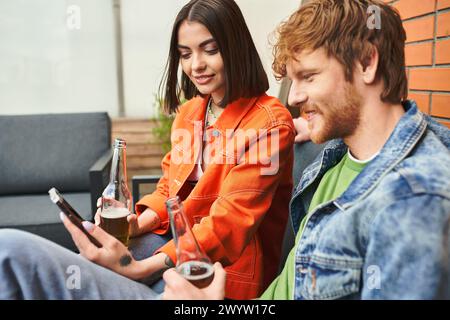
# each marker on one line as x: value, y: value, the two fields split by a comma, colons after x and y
x: 46, y: 67
x: 263, y: 17
x: 147, y: 26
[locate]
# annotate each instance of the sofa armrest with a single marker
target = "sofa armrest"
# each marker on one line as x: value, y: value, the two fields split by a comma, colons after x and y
x: 98, y: 178
x: 137, y: 181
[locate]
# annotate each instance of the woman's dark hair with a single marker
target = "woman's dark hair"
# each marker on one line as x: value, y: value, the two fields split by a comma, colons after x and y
x: 244, y: 73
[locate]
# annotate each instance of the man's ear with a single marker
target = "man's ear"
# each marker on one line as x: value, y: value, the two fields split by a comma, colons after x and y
x: 368, y: 65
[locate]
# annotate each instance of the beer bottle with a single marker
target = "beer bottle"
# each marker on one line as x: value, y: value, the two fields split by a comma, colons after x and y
x: 116, y: 198
x: 192, y: 262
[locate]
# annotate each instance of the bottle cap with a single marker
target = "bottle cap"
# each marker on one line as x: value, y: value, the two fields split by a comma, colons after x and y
x: 172, y: 202
x: 120, y: 143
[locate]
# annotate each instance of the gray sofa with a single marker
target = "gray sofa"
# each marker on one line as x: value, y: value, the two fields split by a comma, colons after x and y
x: 71, y: 152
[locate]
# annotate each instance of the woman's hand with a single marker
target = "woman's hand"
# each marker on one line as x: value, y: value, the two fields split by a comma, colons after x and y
x: 145, y: 223
x: 113, y: 255
x: 178, y: 288
x: 303, y: 132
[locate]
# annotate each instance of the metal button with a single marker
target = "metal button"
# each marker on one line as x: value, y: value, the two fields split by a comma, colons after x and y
x: 302, y: 269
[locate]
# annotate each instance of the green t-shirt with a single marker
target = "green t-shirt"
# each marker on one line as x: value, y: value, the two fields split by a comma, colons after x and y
x: 334, y: 182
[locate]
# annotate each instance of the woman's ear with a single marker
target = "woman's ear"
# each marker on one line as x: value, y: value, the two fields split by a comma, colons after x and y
x: 368, y: 65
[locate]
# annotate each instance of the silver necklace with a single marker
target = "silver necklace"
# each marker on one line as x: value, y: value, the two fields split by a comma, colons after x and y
x: 210, y: 112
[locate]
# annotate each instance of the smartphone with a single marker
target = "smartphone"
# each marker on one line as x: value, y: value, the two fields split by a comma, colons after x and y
x: 71, y: 214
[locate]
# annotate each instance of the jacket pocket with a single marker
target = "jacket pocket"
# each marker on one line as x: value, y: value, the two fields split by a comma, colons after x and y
x: 245, y: 266
x: 327, y: 277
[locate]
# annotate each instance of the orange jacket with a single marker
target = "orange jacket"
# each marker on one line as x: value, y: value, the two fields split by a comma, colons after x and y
x: 238, y: 211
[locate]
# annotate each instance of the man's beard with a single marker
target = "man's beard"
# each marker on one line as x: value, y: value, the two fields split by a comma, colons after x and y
x: 339, y: 119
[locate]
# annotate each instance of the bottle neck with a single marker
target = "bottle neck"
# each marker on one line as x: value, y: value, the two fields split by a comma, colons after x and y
x: 185, y: 242
x: 177, y: 218
x: 118, y: 166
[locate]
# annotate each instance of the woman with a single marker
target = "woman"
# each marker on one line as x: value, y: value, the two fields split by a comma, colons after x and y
x: 230, y: 163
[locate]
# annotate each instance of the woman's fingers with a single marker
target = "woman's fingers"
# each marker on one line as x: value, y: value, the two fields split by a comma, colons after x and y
x: 97, y: 213
x: 101, y: 235
x: 97, y: 218
x: 79, y: 238
x: 134, y: 226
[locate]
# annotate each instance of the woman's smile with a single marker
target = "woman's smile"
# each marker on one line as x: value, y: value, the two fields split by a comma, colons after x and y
x: 203, y: 79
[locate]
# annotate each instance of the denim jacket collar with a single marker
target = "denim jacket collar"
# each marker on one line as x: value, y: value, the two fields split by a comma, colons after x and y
x: 405, y: 136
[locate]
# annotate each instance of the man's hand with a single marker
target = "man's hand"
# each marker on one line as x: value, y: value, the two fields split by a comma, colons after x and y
x: 178, y: 288
x: 113, y: 255
x: 303, y: 132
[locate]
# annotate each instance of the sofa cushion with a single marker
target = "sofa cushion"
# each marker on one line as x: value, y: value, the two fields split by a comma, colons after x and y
x: 31, y: 209
x: 41, y: 151
x: 38, y: 215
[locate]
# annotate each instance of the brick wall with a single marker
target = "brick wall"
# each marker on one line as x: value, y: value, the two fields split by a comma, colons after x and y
x: 427, y: 25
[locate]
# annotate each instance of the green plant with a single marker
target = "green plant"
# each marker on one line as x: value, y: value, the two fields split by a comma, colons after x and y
x: 163, y: 125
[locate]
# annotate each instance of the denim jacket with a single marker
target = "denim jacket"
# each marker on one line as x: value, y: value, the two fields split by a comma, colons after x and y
x: 386, y: 236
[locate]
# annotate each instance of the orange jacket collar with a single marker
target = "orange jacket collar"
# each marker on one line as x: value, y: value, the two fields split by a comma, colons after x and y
x: 232, y: 115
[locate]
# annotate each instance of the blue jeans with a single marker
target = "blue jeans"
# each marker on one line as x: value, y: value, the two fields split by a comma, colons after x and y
x: 143, y: 247
x: 32, y: 267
